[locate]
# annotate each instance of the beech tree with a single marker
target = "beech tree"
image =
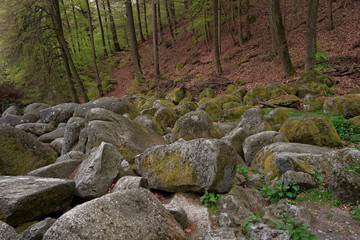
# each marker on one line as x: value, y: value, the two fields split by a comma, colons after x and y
x: 113, y: 28
x: 216, y: 47
x: 279, y: 38
x: 101, y: 27
x: 139, y: 21
x: 311, y: 35
x: 155, y: 42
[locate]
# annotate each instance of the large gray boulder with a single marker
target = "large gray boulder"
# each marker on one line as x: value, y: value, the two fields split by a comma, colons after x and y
x: 57, y: 114
x: 56, y: 170
x: 13, y: 110
x: 72, y: 155
x: 197, y: 165
x: 10, y: 119
x: 148, y: 122
x: 263, y: 231
x: 128, y: 137
x: 7, y: 232
x: 116, y: 105
x: 35, y: 108
x: 129, y: 182
x: 26, y: 198
x: 72, y: 132
x: 133, y: 214
x: 97, y: 172
x: 254, y: 143
x: 21, y: 153
x: 51, y: 136
x: 347, y: 105
x: 36, y: 128
x: 37, y: 230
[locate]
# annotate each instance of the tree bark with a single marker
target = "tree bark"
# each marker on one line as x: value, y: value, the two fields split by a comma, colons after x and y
x: 113, y: 28
x: 311, y: 35
x: 247, y: 20
x: 76, y: 26
x: 133, y: 41
x: 279, y: 37
x: 169, y: 22
x: 159, y: 21
x: 330, y: 16
x: 57, y: 24
x: 139, y: 21
x: 145, y: 18
x: 96, y: 73
x: 218, y: 69
x: 241, y: 39
x: 155, y: 43
x: 69, y: 79
x: 101, y: 28
x: 106, y: 24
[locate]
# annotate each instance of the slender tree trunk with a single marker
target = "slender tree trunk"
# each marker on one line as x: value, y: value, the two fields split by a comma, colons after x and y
x: 311, y: 35
x: 96, y: 73
x: 169, y: 22
x: 145, y: 18
x: 172, y: 12
x: 69, y: 28
x: 155, y: 43
x: 330, y: 16
x: 101, y: 28
x: 219, y: 26
x: 76, y: 26
x: 279, y: 37
x: 159, y: 21
x: 247, y: 20
x: 207, y: 34
x: 241, y: 39
x: 113, y: 28
x: 106, y: 24
x: 57, y: 24
x: 69, y: 78
x: 228, y: 24
x: 139, y: 21
x: 218, y: 68
x: 133, y: 41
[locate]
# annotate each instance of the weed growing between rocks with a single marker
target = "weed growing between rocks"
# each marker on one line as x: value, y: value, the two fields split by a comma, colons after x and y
x: 210, y: 201
x: 243, y: 171
x: 355, y: 212
x: 279, y: 192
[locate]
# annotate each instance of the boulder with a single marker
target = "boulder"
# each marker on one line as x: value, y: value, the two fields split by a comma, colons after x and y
x: 194, y: 125
x: 256, y: 94
x: 98, y: 171
x: 60, y: 113
x: 7, y: 232
x: 254, y: 143
x: 116, y: 105
x: 309, y: 88
x: 128, y: 137
x: 224, y: 128
x: 313, y: 103
x: 222, y: 99
x: 222, y: 234
x: 263, y: 231
x: 303, y: 180
x: 50, y: 136
x: 207, y: 92
x: 235, y: 113
x: 238, y: 202
x: 12, y: 120
x: 26, y: 198
x: 342, y: 158
x: 290, y: 88
x: 130, y: 182
x: 36, y: 128
x: 21, y: 153
x: 314, y: 77
x: 184, y: 108
x: 73, y: 155
x: 197, y: 165
x: 133, y: 214
x: 355, y: 121
x: 311, y: 129
x: 71, y: 133
x: 37, y: 230
x: 213, y: 109
x: 178, y: 213
x: 355, y: 90
x: 57, y: 144
x: 13, y: 110
x: 56, y: 170
x: 276, y: 118
x: 347, y: 105
x: 148, y: 122
x: 165, y: 116
x: 175, y: 95
x: 289, y: 101
x: 126, y: 169
x: 35, y: 108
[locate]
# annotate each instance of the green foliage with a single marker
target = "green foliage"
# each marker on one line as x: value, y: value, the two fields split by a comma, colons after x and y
x: 326, y: 90
x: 279, y: 191
x: 296, y: 230
x: 243, y: 171
x: 317, y: 174
x: 356, y: 168
x: 355, y: 212
x: 210, y: 199
x: 321, y: 59
x: 245, y: 225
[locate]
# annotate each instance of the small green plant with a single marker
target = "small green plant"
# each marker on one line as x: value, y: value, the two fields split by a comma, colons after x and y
x: 321, y: 195
x: 279, y: 191
x: 243, y: 171
x: 355, y: 212
x: 357, y: 148
x: 326, y: 90
x: 296, y: 230
x: 317, y: 175
x: 210, y: 199
x: 356, y: 168
x: 321, y: 58
x: 245, y: 225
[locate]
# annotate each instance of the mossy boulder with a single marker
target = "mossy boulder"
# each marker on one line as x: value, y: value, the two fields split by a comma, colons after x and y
x: 290, y: 88
x: 311, y: 129
x: 21, y: 153
x: 290, y: 101
x: 355, y: 90
x: 309, y: 88
x: 163, y: 103
x: 165, y: 116
x: 213, y: 109
x: 229, y: 105
x: 142, y: 105
x: 314, y: 77
x: 222, y: 99
x: 208, y: 92
x: 230, y: 89
x: 239, y: 94
x: 148, y: 122
x: 235, y: 113
x: 257, y: 94
x: 313, y: 103
x: 189, y: 166
x: 184, y: 108
x: 347, y: 105
x: 194, y: 125
x: 278, y: 158
x: 276, y: 118
x: 355, y: 121
x: 175, y: 95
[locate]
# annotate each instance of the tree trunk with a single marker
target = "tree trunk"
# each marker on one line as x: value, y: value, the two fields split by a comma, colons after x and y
x: 218, y: 69
x: 311, y: 35
x: 96, y: 73
x: 241, y: 39
x: 57, y: 24
x: 230, y: 29
x: 159, y: 21
x: 70, y: 81
x: 169, y: 22
x: 133, y: 41
x: 172, y: 12
x: 101, y: 28
x: 139, y: 21
x: 145, y: 18
x: 279, y: 37
x: 106, y: 24
x: 68, y: 27
x: 330, y: 16
x: 155, y: 43
x: 113, y: 28
x: 247, y: 20
x: 76, y: 26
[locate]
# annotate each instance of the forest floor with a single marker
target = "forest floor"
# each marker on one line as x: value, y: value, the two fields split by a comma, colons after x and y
x: 190, y: 63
